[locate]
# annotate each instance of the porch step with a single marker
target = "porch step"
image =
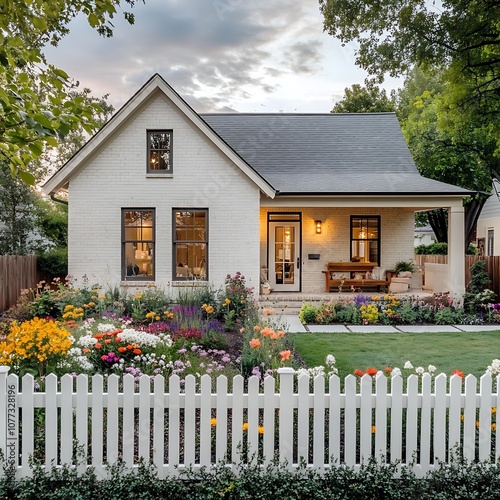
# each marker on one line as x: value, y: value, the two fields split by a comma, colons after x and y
x: 284, y: 304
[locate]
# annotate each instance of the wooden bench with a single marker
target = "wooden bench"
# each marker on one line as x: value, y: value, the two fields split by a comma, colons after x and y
x: 347, y: 281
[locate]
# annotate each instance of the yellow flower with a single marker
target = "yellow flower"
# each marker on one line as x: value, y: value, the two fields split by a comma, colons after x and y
x: 157, y: 318
x: 493, y: 409
x: 477, y: 424
x: 493, y: 426
x: 374, y: 429
x: 150, y: 315
x: 245, y: 426
x: 213, y: 422
x: 260, y: 429
x: 138, y: 296
x: 227, y: 302
x: 68, y: 307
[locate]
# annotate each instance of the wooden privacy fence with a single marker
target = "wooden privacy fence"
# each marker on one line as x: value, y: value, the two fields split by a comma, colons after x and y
x: 17, y: 272
x: 424, y: 420
x: 492, y: 267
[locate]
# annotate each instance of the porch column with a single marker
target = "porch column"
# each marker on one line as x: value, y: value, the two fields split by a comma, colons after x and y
x: 456, y: 251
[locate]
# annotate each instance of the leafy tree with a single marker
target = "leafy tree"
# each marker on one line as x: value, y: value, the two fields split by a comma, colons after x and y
x: 460, y: 36
x: 37, y: 105
x: 455, y: 156
x: 17, y: 219
x: 369, y: 99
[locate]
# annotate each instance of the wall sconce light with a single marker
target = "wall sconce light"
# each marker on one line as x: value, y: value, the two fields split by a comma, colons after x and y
x: 318, y: 226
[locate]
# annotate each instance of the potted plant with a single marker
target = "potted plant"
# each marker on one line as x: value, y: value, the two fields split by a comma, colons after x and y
x: 404, y: 269
x: 265, y: 287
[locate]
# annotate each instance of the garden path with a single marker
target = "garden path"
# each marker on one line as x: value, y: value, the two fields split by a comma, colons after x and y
x: 294, y: 325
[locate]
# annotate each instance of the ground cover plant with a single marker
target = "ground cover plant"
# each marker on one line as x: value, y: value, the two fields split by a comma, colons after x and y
x: 461, y: 480
x: 466, y: 352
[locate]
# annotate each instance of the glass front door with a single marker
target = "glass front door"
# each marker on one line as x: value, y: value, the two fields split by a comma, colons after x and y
x: 284, y: 256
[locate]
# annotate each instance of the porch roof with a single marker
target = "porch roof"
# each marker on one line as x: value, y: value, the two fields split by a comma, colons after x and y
x: 332, y: 153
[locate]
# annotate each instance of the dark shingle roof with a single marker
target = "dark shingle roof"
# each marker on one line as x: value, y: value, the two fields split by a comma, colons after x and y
x: 332, y: 153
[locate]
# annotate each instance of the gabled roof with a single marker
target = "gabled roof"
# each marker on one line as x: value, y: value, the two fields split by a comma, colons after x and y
x: 155, y: 84
x: 333, y: 153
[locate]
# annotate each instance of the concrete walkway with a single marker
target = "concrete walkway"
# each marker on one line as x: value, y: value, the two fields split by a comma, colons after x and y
x: 295, y: 326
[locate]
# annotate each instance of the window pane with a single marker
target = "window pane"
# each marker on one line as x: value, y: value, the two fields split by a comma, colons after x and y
x: 160, y: 152
x: 138, y: 262
x: 190, y: 244
x: 138, y: 244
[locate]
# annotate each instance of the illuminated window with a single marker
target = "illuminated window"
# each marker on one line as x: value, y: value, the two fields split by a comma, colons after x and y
x: 190, y: 242
x: 365, y: 238
x: 160, y: 151
x: 138, y: 244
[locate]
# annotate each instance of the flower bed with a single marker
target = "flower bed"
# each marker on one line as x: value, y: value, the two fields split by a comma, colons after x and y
x: 65, y: 329
x: 438, y: 309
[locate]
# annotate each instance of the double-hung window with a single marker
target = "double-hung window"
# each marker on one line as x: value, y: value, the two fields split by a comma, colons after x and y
x: 365, y: 238
x: 138, y: 244
x: 159, y: 152
x: 190, y: 244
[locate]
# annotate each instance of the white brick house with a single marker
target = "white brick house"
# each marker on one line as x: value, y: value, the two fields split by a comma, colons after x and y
x: 162, y: 195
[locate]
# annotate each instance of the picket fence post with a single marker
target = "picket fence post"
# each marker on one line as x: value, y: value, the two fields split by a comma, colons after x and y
x: 286, y: 375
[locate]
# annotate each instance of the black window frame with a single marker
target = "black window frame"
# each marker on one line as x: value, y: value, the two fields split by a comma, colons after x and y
x: 151, y: 241
x: 150, y: 170
x: 175, y: 242
x: 377, y: 239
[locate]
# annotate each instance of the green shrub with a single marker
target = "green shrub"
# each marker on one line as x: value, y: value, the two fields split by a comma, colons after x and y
x: 389, y: 481
x: 54, y: 263
x: 308, y: 313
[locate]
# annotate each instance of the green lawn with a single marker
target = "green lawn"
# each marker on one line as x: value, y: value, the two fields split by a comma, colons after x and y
x: 469, y: 352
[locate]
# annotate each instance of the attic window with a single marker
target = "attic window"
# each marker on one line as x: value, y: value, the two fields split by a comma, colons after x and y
x: 159, y: 151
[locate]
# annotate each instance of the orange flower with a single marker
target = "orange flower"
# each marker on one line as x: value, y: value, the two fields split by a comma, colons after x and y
x: 130, y: 347
x: 388, y: 369
x: 98, y: 346
x: 267, y: 332
x: 254, y: 343
x: 107, y: 341
x: 137, y: 351
x: 122, y: 349
x: 245, y: 426
x: 242, y: 330
x: 285, y: 355
x: 358, y: 373
x: 374, y: 429
x: 98, y: 336
x: 256, y: 328
x: 458, y: 372
x: 85, y: 350
x: 213, y: 422
x: 371, y: 371
x: 280, y: 333
x: 118, y: 339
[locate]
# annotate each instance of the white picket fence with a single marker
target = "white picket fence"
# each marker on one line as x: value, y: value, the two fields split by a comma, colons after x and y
x: 173, y: 427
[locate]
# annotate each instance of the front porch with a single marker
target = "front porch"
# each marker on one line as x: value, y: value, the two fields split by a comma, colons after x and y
x: 302, y: 240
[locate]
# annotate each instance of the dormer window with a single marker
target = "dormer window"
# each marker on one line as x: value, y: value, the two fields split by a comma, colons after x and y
x: 159, y: 151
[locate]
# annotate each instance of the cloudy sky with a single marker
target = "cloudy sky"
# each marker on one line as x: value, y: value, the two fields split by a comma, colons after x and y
x: 219, y: 55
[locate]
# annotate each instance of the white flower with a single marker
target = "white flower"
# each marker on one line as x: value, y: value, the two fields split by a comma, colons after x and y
x: 330, y: 360
x: 106, y: 327
x: 395, y: 371
x: 431, y: 369
x: 419, y: 370
x: 408, y: 366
